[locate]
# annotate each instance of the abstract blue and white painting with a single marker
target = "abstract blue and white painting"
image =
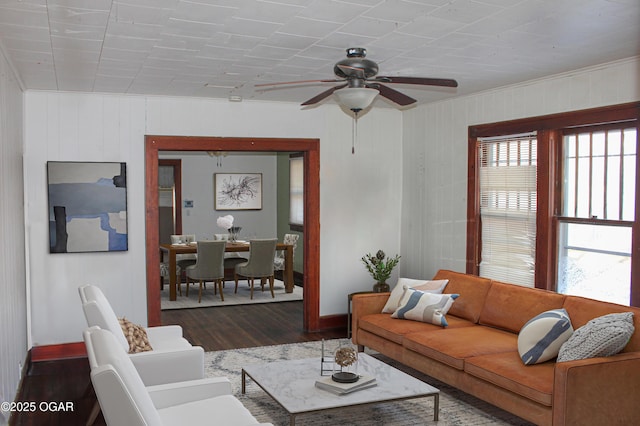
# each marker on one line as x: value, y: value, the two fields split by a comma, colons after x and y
x: 87, y: 206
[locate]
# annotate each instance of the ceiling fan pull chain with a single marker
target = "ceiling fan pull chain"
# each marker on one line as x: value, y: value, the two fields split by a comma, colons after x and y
x: 354, y: 133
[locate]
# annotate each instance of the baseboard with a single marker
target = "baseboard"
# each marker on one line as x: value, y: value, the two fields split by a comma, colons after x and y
x: 333, y: 322
x: 61, y: 351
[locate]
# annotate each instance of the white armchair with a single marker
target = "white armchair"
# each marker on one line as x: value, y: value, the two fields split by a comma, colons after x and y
x: 173, y: 358
x: 125, y: 400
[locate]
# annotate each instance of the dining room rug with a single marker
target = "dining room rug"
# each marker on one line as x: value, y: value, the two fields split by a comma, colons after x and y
x: 456, y: 407
x: 243, y: 296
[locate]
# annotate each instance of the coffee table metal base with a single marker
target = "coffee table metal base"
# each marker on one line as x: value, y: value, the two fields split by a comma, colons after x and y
x: 292, y: 385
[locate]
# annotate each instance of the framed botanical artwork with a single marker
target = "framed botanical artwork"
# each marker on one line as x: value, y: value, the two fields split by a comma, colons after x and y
x: 237, y: 191
x: 87, y: 207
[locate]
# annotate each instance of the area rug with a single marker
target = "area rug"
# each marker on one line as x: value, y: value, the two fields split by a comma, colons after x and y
x: 243, y: 297
x: 456, y: 407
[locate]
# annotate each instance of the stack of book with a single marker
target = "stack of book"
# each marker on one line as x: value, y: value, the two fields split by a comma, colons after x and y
x: 327, y: 383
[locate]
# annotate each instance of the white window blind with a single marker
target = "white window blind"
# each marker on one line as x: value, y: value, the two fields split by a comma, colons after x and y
x: 507, y: 175
x: 296, y: 191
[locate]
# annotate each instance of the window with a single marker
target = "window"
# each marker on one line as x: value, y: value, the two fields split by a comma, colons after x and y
x: 507, y: 179
x: 296, y: 192
x: 598, y: 209
x: 585, y: 238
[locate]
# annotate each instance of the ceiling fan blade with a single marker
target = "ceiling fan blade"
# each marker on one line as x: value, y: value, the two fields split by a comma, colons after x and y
x: 393, y: 95
x: 323, y: 95
x: 445, y: 82
x: 297, y: 82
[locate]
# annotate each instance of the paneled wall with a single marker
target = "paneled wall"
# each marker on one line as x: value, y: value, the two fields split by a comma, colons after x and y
x: 13, y: 299
x: 434, y: 181
x: 72, y: 127
x: 359, y: 194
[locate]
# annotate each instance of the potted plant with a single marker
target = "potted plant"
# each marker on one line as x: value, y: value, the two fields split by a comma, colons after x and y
x: 380, y: 267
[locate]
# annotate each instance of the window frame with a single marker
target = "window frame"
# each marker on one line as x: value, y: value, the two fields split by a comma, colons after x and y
x: 550, y: 130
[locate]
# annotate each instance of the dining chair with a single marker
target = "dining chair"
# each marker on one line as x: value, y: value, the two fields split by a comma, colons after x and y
x: 278, y: 261
x: 209, y: 266
x: 231, y: 259
x: 183, y: 260
x: 164, y: 273
x: 260, y: 264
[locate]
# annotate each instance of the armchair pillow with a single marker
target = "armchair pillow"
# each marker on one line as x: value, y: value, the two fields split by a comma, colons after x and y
x: 603, y: 336
x: 420, y: 306
x: 542, y: 336
x: 135, y: 335
x: 428, y: 286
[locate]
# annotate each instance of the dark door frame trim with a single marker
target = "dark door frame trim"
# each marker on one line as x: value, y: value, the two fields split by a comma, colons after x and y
x: 311, y: 153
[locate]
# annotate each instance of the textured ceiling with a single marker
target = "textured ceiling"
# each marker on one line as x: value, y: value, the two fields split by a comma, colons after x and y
x: 219, y: 48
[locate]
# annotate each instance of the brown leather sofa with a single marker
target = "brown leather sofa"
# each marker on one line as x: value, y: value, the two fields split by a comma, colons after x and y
x: 477, y: 353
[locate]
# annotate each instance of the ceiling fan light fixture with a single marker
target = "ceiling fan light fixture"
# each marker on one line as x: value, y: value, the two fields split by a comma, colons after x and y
x: 356, y: 98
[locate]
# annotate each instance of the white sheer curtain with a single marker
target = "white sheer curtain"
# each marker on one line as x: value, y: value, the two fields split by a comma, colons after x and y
x: 296, y: 190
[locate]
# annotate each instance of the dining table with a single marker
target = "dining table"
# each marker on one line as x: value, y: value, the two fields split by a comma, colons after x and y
x: 239, y: 246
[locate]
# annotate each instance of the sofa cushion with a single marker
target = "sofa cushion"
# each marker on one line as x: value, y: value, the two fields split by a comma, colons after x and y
x: 428, y: 286
x: 162, y: 345
x: 227, y: 409
x: 394, y: 329
x: 603, y: 336
x: 424, y: 307
x: 510, y: 306
x: 581, y: 310
x: 453, y: 345
x: 541, y: 337
x: 507, y: 371
x: 472, y: 291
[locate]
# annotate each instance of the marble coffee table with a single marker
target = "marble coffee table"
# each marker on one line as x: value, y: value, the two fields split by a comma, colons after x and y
x: 292, y: 385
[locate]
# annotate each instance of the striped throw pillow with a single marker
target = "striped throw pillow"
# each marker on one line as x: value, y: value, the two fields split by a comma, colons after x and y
x: 542, y: 336
x: 428, y: 286
x: 426, y: 307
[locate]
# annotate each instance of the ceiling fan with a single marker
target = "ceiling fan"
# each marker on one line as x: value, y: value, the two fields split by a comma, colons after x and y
x: 360, y: 84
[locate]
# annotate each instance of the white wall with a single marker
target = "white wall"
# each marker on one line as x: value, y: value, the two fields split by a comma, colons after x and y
x: 434, y: 179
x: 198, y: 171
x: 360, y: 194
x: 13, y: 300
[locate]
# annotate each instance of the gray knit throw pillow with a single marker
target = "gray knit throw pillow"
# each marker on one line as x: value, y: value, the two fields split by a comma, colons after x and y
x: 603, y: 336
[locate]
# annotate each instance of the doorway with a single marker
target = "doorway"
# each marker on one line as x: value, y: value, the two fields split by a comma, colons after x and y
x: 310, y: 149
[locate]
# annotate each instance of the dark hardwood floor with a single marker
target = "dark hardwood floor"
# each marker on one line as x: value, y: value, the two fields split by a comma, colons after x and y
x: 232, y: 327
x: 219, y: 328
